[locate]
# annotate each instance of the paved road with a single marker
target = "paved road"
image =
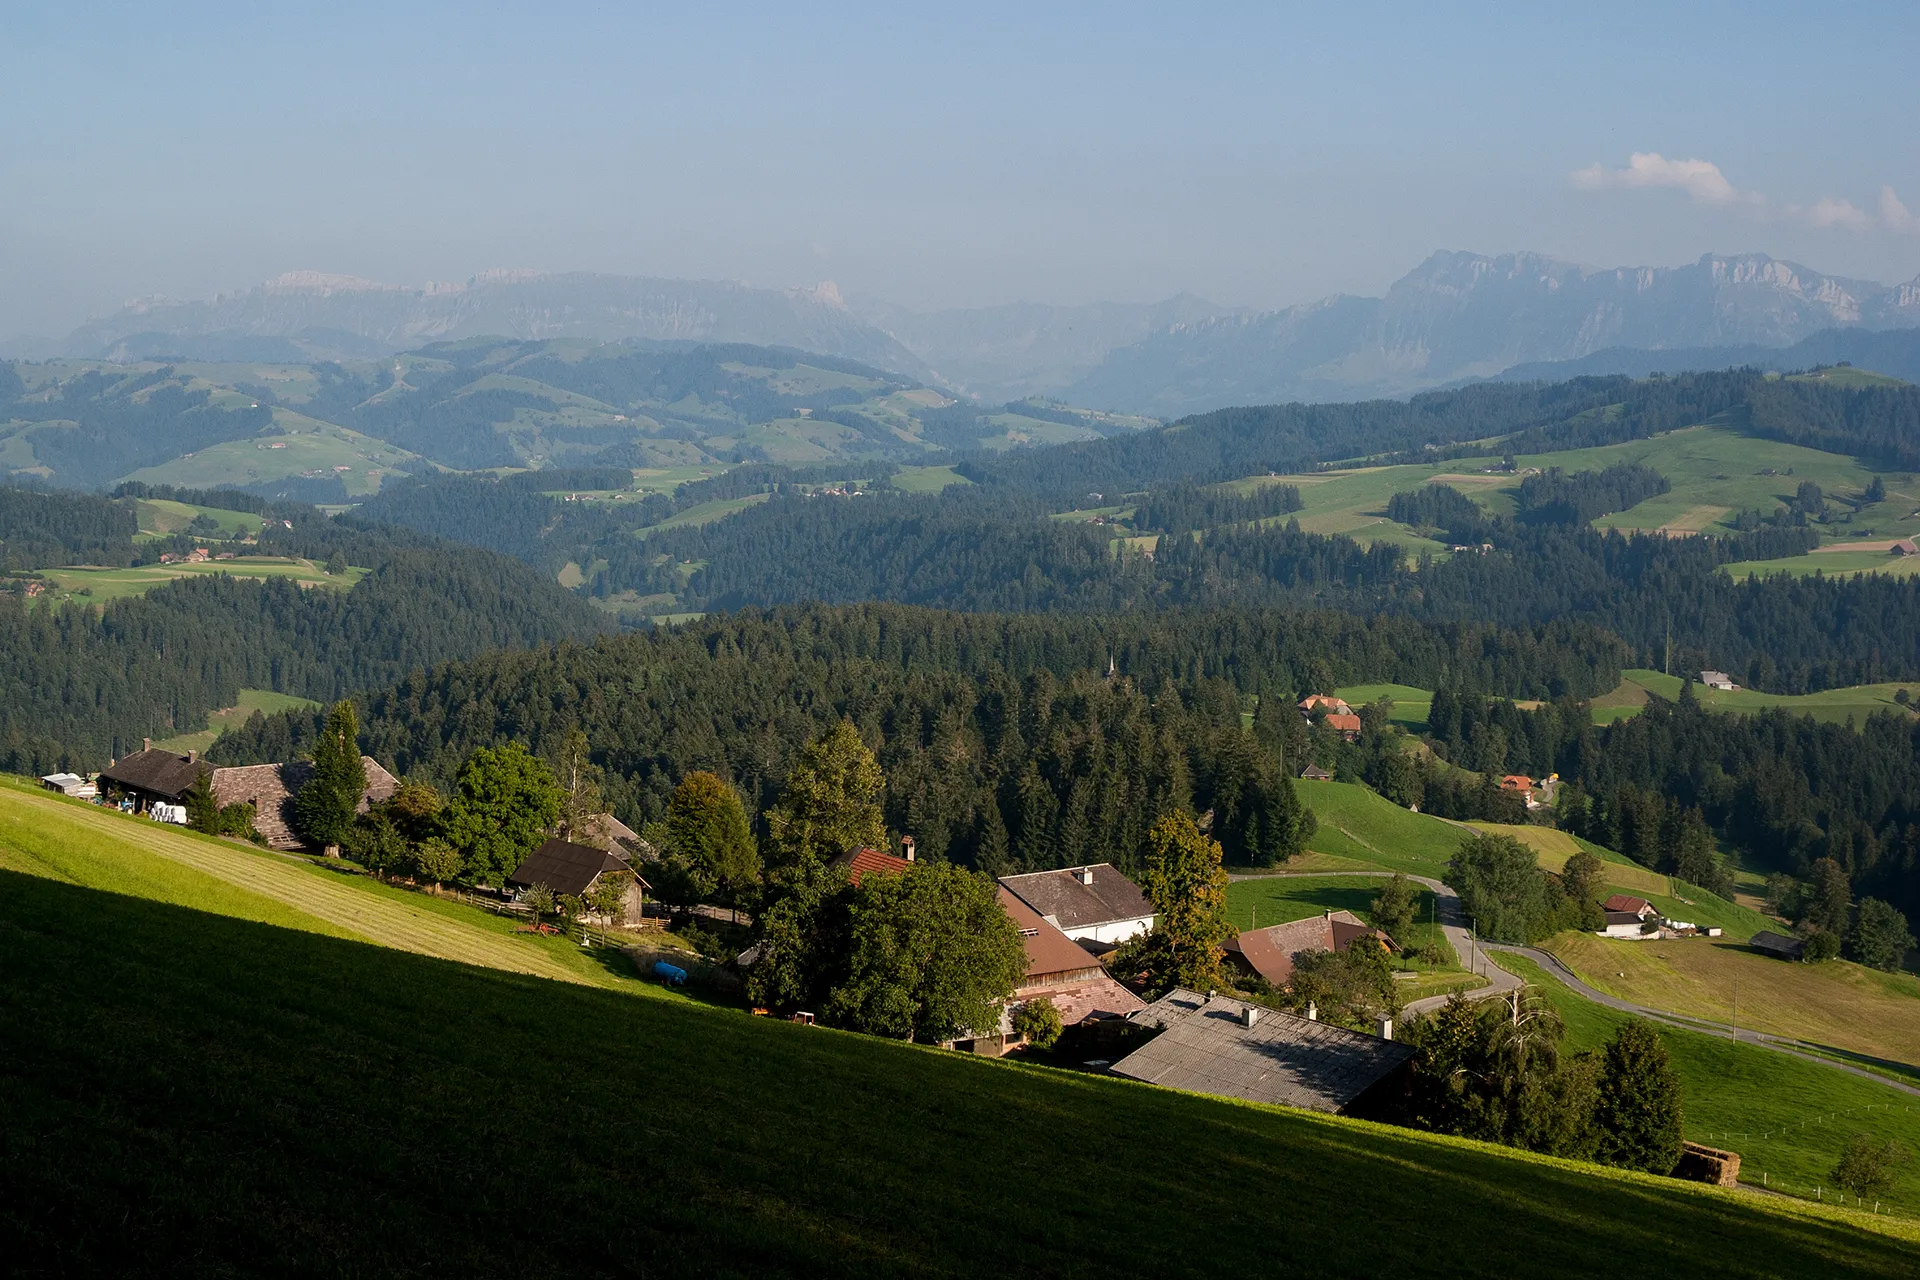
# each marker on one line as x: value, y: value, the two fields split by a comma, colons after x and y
x: 1453, y: 924
x: 1501, y: 982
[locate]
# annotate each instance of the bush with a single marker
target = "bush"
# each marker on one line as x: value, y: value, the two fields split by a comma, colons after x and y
x: 1038, y: 1023
x: 1821, y: 945
x: 1869, y: 1165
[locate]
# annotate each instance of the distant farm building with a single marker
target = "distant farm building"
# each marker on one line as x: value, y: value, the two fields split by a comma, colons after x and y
x: 1324, y: 702
x: 1314, y: 773
x: 1345, y: 723
x: 1269, y: 953
x: 1778, y: 944
x: 1717, y: 680
x: 857, y: 863
x: 1904, y: 547
x: 70, y: 784
x: 572, y: 870
x: 1212, y: 1044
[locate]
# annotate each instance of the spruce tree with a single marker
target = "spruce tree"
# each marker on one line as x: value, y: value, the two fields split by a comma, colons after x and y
x: 324, y: 808
x: 1639, y: 1114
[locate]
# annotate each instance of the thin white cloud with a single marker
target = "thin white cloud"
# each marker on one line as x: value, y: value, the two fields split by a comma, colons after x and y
x: 1705, y: 184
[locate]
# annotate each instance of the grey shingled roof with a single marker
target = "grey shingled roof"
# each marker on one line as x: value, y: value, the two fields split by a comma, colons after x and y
x: 1059, y: 894
x: 270, y: 789
x: 565, y: 868
x: 1280, y: 1059
x: 157, y: 772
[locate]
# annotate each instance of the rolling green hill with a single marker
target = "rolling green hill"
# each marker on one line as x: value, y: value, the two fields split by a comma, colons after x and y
x: 356, y: 1108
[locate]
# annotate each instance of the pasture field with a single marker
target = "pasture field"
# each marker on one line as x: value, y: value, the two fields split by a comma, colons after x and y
x: 159, y: 517
x: 1360, y: 827
x: 251, y: 700
x: 356, y: 1109
x: 102, y: 585
x: 1837, y: 1004
x: 1272, y: 900
x: 1410, y: 705
x: 1833, y: 706
x: 1786, y: 1117
x: 705, y: 513
x: 307, y: 445
x: 927, y: 479
x: 1833, y: 564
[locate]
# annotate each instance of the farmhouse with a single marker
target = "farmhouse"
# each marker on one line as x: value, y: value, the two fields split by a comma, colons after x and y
x: 858, y: 862
x: 1323, y: 702
x: 1639, y: 908
x: 1269, y: 953
x: 1314, y: 773
x: 149, y: 777
x: 1717, y: 680
x: 1778, y: 944
x: 573, y: 870
x: 1059, y: 970
x: 1212, y: 1044
x: 1904, y: 547
x: 1089, y: 904
x: 270, y: 789
x: 1345, y: 723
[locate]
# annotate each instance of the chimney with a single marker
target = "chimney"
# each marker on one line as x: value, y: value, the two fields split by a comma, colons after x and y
x: 1248, y: 1015
x: 1084, y: 875
x: 1386, y: 1028
x: 146, y: 744
x: 1313, y: 1012
x: 906, y: 847
x: 191, y: 754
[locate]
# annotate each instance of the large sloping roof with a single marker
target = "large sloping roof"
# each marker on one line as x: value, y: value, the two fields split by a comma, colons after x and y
x: 160, y: 773
x: 564, y: 867
x: 1077, y: 905
x: 1205, y: 1047
x: 1269, y: 952
x: 1051, y: 955
x: 270, y: 789
x: 1778, y: 943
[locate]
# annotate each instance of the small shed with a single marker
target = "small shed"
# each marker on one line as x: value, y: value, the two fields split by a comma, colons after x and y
x: 1717, y: 680
x: 1904, y: 547
x: 572, y: 870
x: 70, y: 784
x: 1778, y: 944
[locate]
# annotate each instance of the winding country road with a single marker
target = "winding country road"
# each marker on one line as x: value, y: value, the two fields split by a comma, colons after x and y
x: 1500, y: 982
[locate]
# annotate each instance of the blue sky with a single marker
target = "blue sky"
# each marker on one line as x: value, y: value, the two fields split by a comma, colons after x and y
x: 1255, y: 154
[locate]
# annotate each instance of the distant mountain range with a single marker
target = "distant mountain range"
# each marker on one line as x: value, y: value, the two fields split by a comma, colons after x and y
x: 1894, y: 352
x: 1457, y: 317
x: 308, y: 315
x: 1461, y: 316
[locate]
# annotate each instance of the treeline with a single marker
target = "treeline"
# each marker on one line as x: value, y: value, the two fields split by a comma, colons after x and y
x: 1006, y: 742
x: 1555, y: 496
x: 80, y: 685
x: 1184, y: 508
x: 1438, y: 507
x: 1878, y: 424
x: 42, y: 529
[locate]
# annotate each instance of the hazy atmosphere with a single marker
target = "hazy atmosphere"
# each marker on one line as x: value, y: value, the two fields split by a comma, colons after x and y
x: 1257, y: 156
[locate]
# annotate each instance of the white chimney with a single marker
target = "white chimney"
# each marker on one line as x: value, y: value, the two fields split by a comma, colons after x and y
x: 906, y: 847
x: 1084, y: 875
x: 1313, y: 1012
x: 146, y: 744
x: 1386, y: 1028
x: 1248, y: 1015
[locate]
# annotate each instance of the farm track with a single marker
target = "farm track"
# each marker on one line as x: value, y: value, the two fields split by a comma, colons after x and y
x: 332, y: 898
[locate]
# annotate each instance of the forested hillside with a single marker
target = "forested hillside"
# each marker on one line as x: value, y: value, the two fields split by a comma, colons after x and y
x: 1005, y: 740
x: 85, y: 684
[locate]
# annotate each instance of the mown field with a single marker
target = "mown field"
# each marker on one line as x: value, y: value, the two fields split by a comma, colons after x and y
x: 1834, y: 706
x: 305, y: 445
x: 101, y: 585
x: 356, y: 1109
x: 159, y: 517
x: 1787, y: 1118
x: 1839, y: 1004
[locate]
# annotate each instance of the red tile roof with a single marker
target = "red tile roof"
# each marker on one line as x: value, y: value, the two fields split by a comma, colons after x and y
x: 1051, y: 955
x: 1344, y: 723
x: 858, y: 862
x: 1269, y: 952
x: 1626, y: 902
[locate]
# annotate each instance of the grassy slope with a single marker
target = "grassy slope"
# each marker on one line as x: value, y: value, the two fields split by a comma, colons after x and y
x: 355, y: 1109
x: 1787, y: 1118
x: 99, y: 848
x: 309, y: 445
x: 1831, y: 705
x: 1410, y: 705
x: 159, y: 517
x: 1851, y: 1008
x: 114, y: 584
x: 1357, y: 826
x: 251, y: 700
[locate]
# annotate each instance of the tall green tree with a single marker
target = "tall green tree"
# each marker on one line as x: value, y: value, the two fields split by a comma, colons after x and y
x: 579, y: 778
x: 1880, y: 938
x: 708, y: 838
x: 831, y: 802
x: 1638, y: 1117
x: 931, y: 955
x: 1187, y: 885
x: 1502, y: 889
x: 1393, y: 909
x: 324, y: 808
x: 504, y: 803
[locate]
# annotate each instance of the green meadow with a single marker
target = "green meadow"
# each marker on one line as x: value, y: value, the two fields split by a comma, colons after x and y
x: 367, y: 1109
x: 159, y: 517
x: 265, y: 701
x: 100, y: 585
x: 1787, y: 1117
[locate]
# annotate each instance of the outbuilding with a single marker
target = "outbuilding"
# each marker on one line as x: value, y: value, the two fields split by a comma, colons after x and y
x: 572, y: 870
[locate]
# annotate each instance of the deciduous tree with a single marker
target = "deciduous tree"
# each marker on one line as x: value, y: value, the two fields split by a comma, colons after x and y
x: 709, y: 843
x: 1187, y: 885
x: 1880, y: 938
x: 831, y: 802
x: 504, y: 803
